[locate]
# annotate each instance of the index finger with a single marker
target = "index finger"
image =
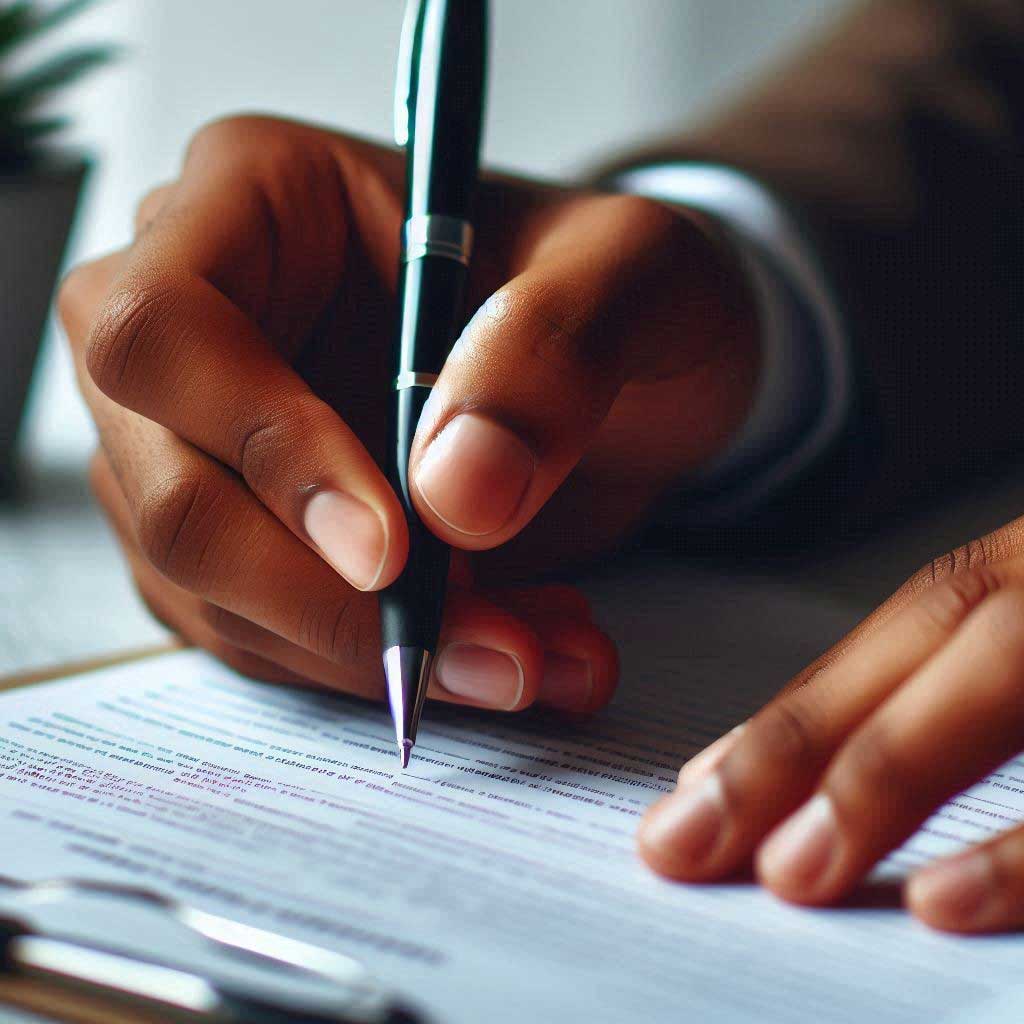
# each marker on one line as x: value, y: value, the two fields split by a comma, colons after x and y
x: 234, y: 274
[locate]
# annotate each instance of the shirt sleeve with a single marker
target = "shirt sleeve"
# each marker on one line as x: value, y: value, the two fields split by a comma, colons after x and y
x: 805, y: 392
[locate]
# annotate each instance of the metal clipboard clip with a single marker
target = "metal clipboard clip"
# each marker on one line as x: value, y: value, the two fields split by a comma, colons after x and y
x: 346, y: 993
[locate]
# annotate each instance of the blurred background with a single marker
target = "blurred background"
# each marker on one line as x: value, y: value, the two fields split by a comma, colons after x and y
x: 570, y: 80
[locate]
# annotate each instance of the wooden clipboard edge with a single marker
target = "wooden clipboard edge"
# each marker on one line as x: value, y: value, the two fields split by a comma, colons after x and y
x: 29, y: 995
x: 74, y: 668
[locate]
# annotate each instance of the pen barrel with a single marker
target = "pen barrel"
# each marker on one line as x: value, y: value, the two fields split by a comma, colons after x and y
x: 431, y: 303
x: 412, y: 607
x: 445, y: 105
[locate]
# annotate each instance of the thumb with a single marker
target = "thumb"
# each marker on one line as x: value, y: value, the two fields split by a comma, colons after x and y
x: 616, y: 291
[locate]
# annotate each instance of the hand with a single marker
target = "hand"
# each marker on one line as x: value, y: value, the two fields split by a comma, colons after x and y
x: 236, y: 360
x: 923, y: 699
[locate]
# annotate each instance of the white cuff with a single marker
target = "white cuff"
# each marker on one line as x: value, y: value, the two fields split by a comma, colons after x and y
x: 806, y: 388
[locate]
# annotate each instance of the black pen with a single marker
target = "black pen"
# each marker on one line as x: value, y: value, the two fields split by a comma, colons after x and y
x: 438, y: 115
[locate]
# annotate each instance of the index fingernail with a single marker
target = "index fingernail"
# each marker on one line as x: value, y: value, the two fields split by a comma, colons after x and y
x: 350, y: 535
x: 474, y: 474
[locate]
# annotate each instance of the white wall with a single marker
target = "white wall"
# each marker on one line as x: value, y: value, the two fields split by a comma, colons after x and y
x: 570, y: 78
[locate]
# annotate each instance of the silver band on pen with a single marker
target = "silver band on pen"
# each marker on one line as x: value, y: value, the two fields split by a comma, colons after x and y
x: 434, y: 234
x: 411, y: 379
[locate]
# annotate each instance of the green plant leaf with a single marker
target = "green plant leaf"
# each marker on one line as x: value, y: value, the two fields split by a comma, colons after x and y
x: 30, y: 131
x: 15, y: 22
x: 21, y: 131
x: 19, y: 138
x: 31, y: 87
x: 24, y: 19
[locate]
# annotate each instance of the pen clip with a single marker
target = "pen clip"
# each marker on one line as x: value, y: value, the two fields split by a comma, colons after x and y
x: 403, y: 80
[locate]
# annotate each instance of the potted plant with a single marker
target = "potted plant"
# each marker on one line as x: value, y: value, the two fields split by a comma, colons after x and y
x: 39, y: 191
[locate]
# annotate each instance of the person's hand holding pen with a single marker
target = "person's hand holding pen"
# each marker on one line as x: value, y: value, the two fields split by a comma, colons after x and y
x: 235, y: 358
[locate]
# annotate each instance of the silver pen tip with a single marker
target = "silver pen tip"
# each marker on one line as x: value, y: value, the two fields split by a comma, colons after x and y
x: 407, y: 670
x: 405, y: 752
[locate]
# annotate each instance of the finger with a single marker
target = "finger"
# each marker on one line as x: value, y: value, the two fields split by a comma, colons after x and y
x: 179, y: 341
x: 712, y: 824
x: 487, y: 656
x: 180, y: 611
x: 536, y: 370
x: 958, y: 718
x: 150, y: 206
x: 980, y: 890
x: 581, y: 665
x: 199, y: 526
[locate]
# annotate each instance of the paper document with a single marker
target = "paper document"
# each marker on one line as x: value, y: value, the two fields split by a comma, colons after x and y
x: 495, y: 880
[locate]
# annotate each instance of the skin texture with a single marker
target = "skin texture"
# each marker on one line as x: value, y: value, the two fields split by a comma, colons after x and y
x: 235, y: 358
x: 919, y: 702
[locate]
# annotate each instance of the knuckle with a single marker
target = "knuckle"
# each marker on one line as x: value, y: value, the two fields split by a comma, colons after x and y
x: 785, y: 732
x: 870, y: 765
x: 177, y: 522
x: 132, y: 324
x: 222, y: 132
x: 150, y: 205
x: 946, y: 605
x: 330, y: 628
x: 241, y: 137
x: 960, y: 560
x: 259, y: 445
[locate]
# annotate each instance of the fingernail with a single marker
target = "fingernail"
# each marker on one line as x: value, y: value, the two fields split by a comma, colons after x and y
x: 800, y: 850
x: 710, y: 757
x: 687, y: 825
x: 958, y: 891
x: 480, y: 674
x: 350, y: 535
x: 474, y: 474
x: 567, y: 683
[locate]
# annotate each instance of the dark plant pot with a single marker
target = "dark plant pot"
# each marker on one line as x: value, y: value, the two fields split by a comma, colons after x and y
x: 37, y: 207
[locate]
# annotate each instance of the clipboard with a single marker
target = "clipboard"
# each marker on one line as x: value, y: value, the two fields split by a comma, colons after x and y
x: 30, y: 996
x: 357, y: 991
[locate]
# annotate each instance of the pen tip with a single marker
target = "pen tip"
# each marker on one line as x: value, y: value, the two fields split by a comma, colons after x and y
x: 405, y: 752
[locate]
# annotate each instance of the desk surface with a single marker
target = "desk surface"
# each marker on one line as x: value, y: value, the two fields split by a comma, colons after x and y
x: 64, y: 592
